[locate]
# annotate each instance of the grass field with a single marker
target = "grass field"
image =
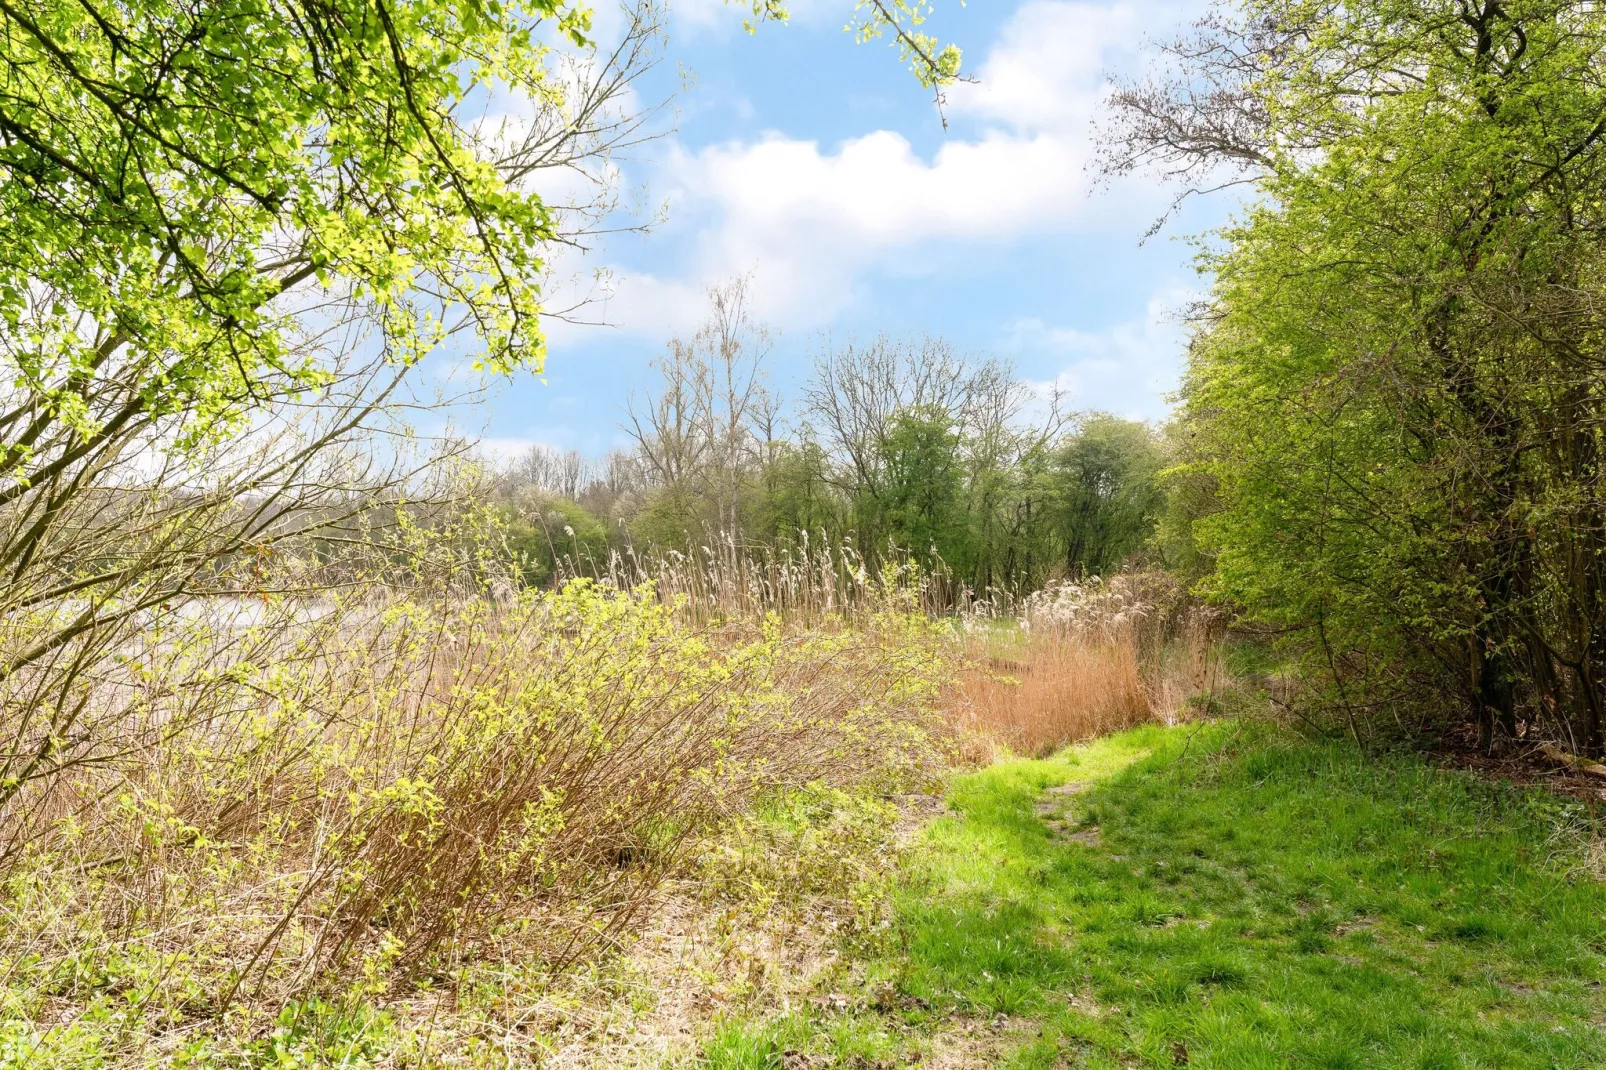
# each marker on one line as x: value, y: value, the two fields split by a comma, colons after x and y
x: 1222, y: 895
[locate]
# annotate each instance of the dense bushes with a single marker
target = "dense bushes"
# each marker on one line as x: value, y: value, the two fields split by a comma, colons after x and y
x: 324, y: 799
x: 1396, y: 390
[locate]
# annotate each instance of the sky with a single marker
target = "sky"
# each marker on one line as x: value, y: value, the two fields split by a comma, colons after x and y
x: 820, y: 168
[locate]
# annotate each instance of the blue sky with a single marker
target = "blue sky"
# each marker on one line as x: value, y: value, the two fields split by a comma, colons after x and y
x: 819, y: 167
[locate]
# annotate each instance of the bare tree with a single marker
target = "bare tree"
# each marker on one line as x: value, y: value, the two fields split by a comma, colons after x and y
x: 857, y: 393
x: 571, y: 143
x: 1196, y: 118
x: 552, y: 471
x: 702, y: 432
x: 671, y: 429
x: 736, y: 347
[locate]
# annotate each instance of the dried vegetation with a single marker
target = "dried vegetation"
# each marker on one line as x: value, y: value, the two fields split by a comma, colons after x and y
x: 546, y: 827
x: 1083, y: 660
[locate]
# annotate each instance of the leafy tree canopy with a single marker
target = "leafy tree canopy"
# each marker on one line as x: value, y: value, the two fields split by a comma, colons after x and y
x: 1397, y: 387
x: 170, y: 171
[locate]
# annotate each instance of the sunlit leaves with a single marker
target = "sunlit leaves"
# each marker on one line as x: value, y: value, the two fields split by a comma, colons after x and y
x: 934, y: 64
x: 173, y: 174
x: 1398, y: 387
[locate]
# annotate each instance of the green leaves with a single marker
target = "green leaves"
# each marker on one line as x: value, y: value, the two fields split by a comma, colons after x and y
x: 1398, y: 388
x: 935, y: 64
x: 173, y: 174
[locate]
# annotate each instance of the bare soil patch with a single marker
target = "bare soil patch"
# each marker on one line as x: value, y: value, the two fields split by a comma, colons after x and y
x: 1057, y: 810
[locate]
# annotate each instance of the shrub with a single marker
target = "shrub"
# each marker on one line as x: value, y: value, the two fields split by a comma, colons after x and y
x: 307, y: 800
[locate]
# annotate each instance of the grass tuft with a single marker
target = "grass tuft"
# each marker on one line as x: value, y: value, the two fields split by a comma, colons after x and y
x: 1254, y: 899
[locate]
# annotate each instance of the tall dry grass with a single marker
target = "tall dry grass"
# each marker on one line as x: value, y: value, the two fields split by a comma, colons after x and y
x: 1087, y: 659
x: 1068, y: 663
x: 291, y: 800
x: 815, y: 580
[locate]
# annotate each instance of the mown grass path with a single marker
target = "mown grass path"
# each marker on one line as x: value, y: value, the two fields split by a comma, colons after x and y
x: 1225, y: 896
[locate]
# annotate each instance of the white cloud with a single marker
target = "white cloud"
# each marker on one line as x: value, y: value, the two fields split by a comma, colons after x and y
x: 1127, y: 369
x: 810, y: 221
x: 877, y: 191
x: 635, y: 302
x: 1046, y: 70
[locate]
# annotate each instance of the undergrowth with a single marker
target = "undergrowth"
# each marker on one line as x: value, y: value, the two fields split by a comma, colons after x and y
x: 309, y: 828
x: 1225, y: 895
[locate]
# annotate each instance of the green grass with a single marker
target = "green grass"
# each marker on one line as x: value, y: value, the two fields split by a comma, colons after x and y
x: 1248, y: 900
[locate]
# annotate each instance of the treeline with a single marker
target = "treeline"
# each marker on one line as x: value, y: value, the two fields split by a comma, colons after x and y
x: 895, y: 447
x: 1396, y: 401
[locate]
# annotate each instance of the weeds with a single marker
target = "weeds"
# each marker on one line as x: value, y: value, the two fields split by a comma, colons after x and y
x: 337, y: 805
x: 1084, y: 660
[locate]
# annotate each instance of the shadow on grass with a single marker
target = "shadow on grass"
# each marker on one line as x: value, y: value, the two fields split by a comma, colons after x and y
x: 1228, y: 896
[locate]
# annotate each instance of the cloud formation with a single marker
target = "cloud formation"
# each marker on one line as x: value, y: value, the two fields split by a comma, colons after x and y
x: 1128, y: 368
x: 810, y: 221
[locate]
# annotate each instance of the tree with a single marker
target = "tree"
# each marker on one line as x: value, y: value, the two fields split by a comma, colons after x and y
x: 797, y: 495
x: 556, y: 539
x: 857, y: 396
x: 1397, y: 386
x: 921, y: 505
x: 174, y: 174
x: 934, y: 64
x: 1005, y: 495
x: 230, y: 227
x: 702, y: 434
x: 1108, y: 494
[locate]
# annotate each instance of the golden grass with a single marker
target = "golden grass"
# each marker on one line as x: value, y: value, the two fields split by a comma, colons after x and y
x: 1087, y: 660
x: 1038, y: 692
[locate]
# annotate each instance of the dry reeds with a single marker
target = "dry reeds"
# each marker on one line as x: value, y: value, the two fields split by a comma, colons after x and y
x: 301, y: 802
x: 814, y: 580
x: 1084, y: 660
x: 1037, y: 692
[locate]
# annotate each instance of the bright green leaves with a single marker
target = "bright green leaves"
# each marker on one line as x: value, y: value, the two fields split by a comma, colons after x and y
x: 935, y: 64
x: 175, y: 174
x: 1398, y: 386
